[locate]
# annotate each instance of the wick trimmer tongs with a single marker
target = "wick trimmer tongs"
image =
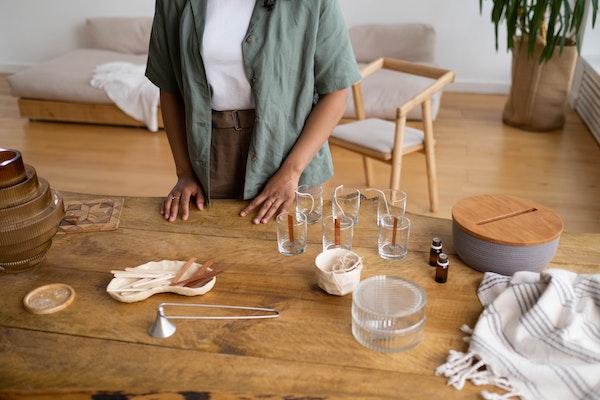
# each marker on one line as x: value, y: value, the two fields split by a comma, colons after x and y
x: 162, y: 327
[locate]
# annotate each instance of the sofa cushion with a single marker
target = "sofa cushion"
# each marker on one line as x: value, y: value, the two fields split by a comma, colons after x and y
x: 123, y: 35
x: 67, y: 77
x: 410, y: 42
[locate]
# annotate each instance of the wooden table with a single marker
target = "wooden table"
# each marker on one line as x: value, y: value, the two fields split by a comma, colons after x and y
x: 99, y: 347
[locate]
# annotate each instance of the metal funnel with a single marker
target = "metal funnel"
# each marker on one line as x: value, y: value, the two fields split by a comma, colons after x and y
x: 162, y: 327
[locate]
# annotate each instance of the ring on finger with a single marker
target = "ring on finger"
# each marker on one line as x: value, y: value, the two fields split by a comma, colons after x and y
x: 173, y: 197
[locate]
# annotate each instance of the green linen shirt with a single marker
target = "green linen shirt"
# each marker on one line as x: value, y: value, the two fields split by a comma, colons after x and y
x: 292, y: 54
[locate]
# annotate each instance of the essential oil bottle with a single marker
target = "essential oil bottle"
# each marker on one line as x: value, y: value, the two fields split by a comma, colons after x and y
x: 436, y: 249
x: 441, y: 270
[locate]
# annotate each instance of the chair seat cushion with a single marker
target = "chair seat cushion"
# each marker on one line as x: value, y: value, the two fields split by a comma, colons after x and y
x: 376, y: 134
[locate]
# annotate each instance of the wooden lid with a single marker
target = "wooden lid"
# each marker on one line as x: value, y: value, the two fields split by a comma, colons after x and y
x: 507, y: 220
x: 49, y: 298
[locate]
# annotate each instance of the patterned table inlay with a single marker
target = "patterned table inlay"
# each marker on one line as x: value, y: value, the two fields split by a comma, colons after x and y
x: 91, y: 215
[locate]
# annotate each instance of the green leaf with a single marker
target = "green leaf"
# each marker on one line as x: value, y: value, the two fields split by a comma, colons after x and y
x: 559, y: 21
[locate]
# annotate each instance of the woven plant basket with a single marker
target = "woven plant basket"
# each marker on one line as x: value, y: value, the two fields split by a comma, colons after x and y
x: 538, y: 94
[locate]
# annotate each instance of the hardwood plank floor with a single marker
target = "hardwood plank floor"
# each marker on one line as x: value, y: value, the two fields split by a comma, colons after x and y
x: 476, y: 153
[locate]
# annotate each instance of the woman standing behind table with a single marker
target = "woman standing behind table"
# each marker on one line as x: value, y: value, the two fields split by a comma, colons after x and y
x: 250, y: 92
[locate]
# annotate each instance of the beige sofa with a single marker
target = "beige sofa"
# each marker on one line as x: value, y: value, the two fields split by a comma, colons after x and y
x: 60, y: 89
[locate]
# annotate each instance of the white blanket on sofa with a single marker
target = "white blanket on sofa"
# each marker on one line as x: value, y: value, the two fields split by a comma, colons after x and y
x: 127, y: 86
x: 538, y: 337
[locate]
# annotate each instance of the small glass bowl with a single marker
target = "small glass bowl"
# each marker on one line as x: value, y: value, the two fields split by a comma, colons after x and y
x: 388, y: 314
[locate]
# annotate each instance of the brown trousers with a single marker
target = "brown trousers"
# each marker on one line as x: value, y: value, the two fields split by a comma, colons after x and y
x: 230, y: 142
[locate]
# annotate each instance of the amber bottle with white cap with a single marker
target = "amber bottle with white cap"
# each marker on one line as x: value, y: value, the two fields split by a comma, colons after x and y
x: 434, y: 252
x: 441, y: 270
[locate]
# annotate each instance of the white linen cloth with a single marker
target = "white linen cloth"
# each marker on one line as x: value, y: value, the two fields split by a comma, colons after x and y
x: 538, y: 337
x: 127, y: 86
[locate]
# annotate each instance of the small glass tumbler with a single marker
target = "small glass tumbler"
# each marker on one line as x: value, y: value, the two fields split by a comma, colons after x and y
x: 392, y: 240
x: 291, y: 233
x: 392, y: 202
x: 388, y: 314
x: 309, y: 200
x: 340, y: 236
x: 345, y: 202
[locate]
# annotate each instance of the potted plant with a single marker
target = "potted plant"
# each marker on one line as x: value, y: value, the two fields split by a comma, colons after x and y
x: 544, y: 37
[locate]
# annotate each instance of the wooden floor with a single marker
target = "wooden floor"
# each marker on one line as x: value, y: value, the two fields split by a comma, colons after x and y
x: 476, y: 153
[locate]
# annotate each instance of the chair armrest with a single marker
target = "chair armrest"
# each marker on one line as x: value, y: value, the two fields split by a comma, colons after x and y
x: 441, y: 78
x: 371, y: 67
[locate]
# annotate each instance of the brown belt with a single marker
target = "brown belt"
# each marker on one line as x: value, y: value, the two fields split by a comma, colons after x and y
x: 236, y: 119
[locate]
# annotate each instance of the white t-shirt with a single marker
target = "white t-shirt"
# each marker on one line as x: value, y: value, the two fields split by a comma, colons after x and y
x: 226, y: 25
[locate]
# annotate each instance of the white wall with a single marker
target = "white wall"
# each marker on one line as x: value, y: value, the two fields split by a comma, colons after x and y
x: 465, y: 39
x: 591, y: 40
x: 32, y: 31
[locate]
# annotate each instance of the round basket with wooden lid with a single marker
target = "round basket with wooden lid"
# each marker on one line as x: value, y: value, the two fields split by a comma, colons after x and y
x: 505, y: 234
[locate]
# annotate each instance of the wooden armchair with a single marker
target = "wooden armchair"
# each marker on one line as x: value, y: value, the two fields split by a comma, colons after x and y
x: 388, y: 141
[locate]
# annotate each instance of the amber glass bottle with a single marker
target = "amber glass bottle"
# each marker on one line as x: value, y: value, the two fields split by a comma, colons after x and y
x: 436, y: 249
x: 441, y: 271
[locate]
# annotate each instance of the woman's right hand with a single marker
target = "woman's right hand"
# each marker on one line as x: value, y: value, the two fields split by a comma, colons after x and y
x: 180, y: 197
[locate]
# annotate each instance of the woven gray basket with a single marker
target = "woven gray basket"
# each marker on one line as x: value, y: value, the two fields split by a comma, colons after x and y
x: 502, y: 259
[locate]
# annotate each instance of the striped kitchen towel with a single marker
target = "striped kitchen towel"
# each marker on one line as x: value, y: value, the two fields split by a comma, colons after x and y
x: 538, y: 337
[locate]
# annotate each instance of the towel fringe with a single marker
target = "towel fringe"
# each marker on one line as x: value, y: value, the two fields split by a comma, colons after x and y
x: 469, y: 331
x: 496, y: 396
x: 458, y: 368
x: 462, y: 367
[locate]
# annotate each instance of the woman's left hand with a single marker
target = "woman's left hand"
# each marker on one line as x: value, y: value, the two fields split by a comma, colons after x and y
x: 278, y: 194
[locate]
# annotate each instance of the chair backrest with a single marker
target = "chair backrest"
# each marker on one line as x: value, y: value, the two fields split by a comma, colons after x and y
x: 384, y: 91
x: 411, y: 42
